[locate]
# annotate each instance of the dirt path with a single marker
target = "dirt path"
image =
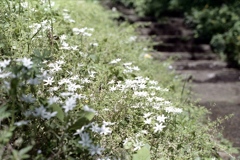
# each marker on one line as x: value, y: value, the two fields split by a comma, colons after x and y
x: 213, y: 83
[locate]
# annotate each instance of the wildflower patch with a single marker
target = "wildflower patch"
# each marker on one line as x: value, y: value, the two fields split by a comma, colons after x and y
x: 72, y: 89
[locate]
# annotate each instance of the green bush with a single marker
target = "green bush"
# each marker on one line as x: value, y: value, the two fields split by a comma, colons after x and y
x: 228, y: 45
x: 149, y: 7
x: 76, y: 86
x: 208, y: 18
x: 220, y: 27
x: 158, y: 7
x: 208, y: 22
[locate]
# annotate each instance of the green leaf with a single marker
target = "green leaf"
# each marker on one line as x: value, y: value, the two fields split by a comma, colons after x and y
x: 15, y: 154
x: 143, y: 153
x: 2, y: 45
x: 46, y: 53
x: 5, y: 136
x: 88, y: 115
x: 23, y: 151
x: 60, y: 113
x: 94, y: 58
x: 3, y: 113
x: 128, y: 145
x: 85, y: 118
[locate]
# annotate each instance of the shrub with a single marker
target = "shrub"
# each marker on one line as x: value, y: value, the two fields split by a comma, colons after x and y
x: 208, y: 18
x: 228, y: 45
x: 158, y: 7
x: 220, y: 27
x: 208, y: 22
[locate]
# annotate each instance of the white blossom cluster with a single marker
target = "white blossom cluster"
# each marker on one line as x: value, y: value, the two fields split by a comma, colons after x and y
x: 156, y: 110
x: 77, y: 31
x: 68, y: 90
x: 86, y: 141
x: 42, y: 26
x: 67, y: 17
x: 68, y: 98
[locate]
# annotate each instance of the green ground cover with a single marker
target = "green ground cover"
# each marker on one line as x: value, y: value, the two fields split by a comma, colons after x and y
x: 75, y: 85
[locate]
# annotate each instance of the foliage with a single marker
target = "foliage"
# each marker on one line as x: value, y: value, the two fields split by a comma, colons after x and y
x: 209, y: 22
x: 158, y: 7
x: 229, y: 43
x: 220, y: 26
x: 76, y: 86
x: 208, y: 18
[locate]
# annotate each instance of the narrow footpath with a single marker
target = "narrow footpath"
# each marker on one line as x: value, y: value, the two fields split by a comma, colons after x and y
x: 216, y: 86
